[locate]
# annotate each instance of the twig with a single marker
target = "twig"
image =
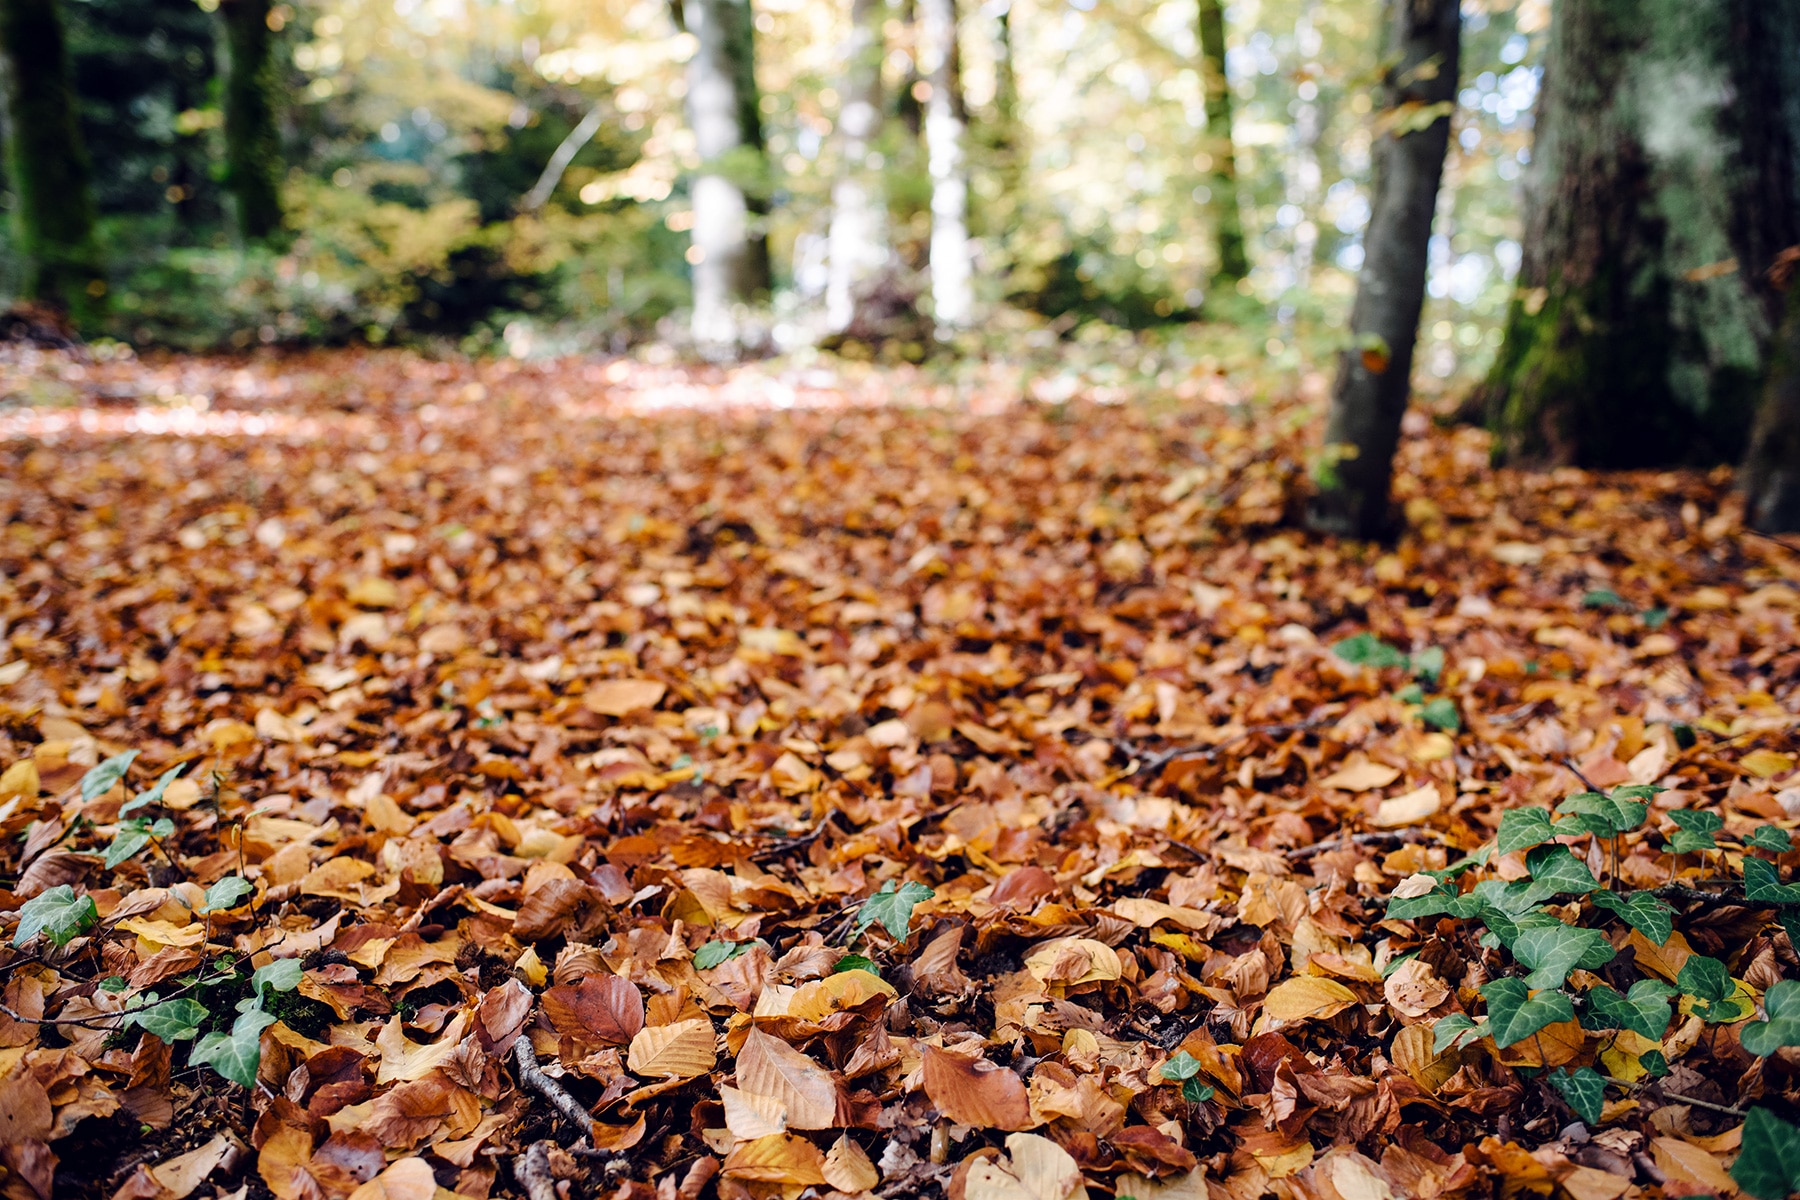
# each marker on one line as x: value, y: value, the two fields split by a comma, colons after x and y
x: 786, y: 846
x: 1163, y: 758
x: 1769, y: 537
x: 533, y: 1077
x: 1375, y: 838
x: 1585, y: 781
x: 1681, y: 891
x: 532, y: 1168
x: 1681, y: 1099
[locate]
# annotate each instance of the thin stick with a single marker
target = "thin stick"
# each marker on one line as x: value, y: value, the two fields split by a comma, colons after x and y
x: 1737, y: 899
x: 1163, y: 758
x: 532, y: 1076
x: 532, y: 1169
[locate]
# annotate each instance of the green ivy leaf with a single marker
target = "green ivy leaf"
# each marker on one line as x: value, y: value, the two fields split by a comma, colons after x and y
x: 131, y: 839
x: 1643, y: 1010
x: 58, y: 912
x: 1604, y: 815
x: 1762, y: 881
x: 1654, y: 1063
x: 1552, y: 951
x: 855, y: 962
x: 1428, y: 664
x: 99, y: 781
x: 154, y: 793
x: 1694, y: 831
x: 1440, y: 713
x: 1768, y: 1162
x: 892, y: 907
x: 1182, y: 1066
x: 1195, y: 1092
x: 282, y: 975
x: 1523, y: 828
x: 226, y: 893
x: 1556, y: 872
x: 1514, y: 1014
x: 1772, y: 838
x: 1454, y: 1032
x: 1603, y: 598
x: 1705, y: 978
x: 712, y: 954
x: 1439, y: 900
x: 1781, y: 1026
x: 1367, y: 650
x: 1584, y: 1089
x: 172, y: 1020
x: 1643, y: 911
x: 237, y: 1054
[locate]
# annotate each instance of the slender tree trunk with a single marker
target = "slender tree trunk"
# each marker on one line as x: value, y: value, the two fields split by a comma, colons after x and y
x: 730, y: 246
x: 946, y: 135
x: 1772, y: 468
x: 1006, y: 135
x: 858, y: 253
x: 1221, y: 170
x: 252, y: 142
x: 1661, y: 189
x: 48, y: 163
x: 1374, y: 375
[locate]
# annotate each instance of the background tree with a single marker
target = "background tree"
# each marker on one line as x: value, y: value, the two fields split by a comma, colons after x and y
x: 946, y: 135
x: 1772, y: 467
x: 1221, y: 172
x: 730, y: 248
x: 252, y: 141
x: 48, y: 163
x: 1375, y: 373
x: 858, y: 253
x: 1662, y: 190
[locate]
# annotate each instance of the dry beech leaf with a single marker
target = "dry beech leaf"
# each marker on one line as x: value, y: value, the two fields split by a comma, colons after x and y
x: 601, y: 1008
x: 780, y: 1158
x: 1414, y: 989
x: 1035, y: 1168
x: 501, y: 1015
x: 682, y: 1050
x: 848, y: 1169
x: 1410, y: 809
x: 837, y: 992
x: 1073, y: 960
x: 973, y: 1091
x: 751, y: 1115
x: 407, y: 1179
x: 181, y: 1175
x: 1360, y: 776
x: 769, y: 1067
x: 622, y: 697
x: 1307, y: 998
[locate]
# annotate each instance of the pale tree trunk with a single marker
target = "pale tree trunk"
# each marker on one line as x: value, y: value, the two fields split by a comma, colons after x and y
x: 858, y: 254
x: 48, y: 163
x: 1355, y: 465
x: 1772, y: 468
x: 730, y: 249
x: 946, y: 135
x: 1661, y: 190
x: 1221, y: 170
x: 252, y: 142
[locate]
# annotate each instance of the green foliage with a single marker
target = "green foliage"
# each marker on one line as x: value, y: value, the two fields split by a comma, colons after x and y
x: 1184, y: 1068
x: 1763, y: 882
x: 1643, y: 911
x: 1523, y: 828
x: 1552, y: 951
x: 1781, y: 1025
x: 1455, y: 1031
x: 100, y: 779
x: 714, y: 953
x: 1601, y: 814
x: 134, y: 835
x: 1514, y: 1013
x: 1643, y: 1010
x: 1556, y: 872
x: 1440, y: 713
x: 855, y: 962
x: 172, y: 1020
x: 1367, y: 650
x: 1772, y: 838
x: 154, y: 793
x: 1585, y: 1090
x: 237, y: 1053
x: 892, y: 907
x: 58, y: 912
x: 1705, y: 978
x: 1695, y: 831
x: 1768, y: 1163
x: 226, y: 893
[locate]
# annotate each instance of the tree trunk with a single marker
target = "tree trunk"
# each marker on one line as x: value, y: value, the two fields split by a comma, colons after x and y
x: 1772, y: 468
x: 946, y: 132
x: 1375, y: 373
x: 730, y: 250
x: 858, y: 252
x: 252, y: 142
x: 1661, y: 189
x: 1221, y: 170
x: 49, y: 164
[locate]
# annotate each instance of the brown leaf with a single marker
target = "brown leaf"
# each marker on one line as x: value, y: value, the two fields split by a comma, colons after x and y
x: 973, y: 1091
x: 779, y: 1158
x: 501, y: 1015
x: 769, y: 1067
x: 622, y: 697
x: 601, y: 1008
x: 682, y: 1049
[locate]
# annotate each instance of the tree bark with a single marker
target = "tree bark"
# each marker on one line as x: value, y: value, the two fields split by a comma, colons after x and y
x: 252, y: 141
x: 1221, y: 171
x: 1661, y: 189
x: 49, y: 164
x: 730, y: 252
x: 1374, y: 377
x: 1772, y: 468
x: 858, y: 254
x: 946, y: 135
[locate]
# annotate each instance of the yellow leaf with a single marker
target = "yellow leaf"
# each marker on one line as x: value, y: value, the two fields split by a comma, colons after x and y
x: 844, y: 990
x: 1410, y: 809
x: 1767, y: 763
x: 20, y: 779
x: 1307, y: 998
x: 622, y: 697
x: 408, y: 1179
x: 779, y: 1158
x: 1035, y: 1168
x: 768, y: 1066
x: 750, y: 1116
x: 1687, y: 1164
x: 1073, y: 960
x: 1360, y: 775
x: 406, y: 1060
x: 848, y: 1169
x: 682, y: 1049
x: 374, y: 593
x: 164, y: 933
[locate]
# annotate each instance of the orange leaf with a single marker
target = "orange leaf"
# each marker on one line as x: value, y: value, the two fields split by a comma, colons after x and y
x: 973, y: 1091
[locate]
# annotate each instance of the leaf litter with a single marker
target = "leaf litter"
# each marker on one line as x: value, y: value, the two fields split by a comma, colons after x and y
x: 467, y: 780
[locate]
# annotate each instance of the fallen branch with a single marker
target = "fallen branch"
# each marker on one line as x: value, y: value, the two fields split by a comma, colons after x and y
x: 1163, y: 758
x: 787, y: 845
x: 532, y: 1168
x: 1731, y: 899
x: 532, y: 1076
x: 1373, y: 838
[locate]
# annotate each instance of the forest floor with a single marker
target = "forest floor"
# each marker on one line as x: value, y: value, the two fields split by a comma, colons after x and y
x: 852, y: 781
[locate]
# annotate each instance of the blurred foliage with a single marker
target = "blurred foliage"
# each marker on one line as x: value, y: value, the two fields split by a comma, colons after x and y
x: 414, y: 128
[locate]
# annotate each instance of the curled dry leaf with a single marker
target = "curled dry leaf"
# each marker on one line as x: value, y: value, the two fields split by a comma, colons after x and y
x: 1074, y: 960
x: 1414, y: 989
x: 973, y: 1091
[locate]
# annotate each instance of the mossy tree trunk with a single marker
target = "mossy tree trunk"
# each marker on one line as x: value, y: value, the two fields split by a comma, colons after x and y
x: 858, y: 252
x: 252, y: 140
x: 1220, y: 157
x: 1661, y: 189
x: 730, y: 252
x: 54, y: 207
x: 946, y: 149
x: 1772, y: 468
x: 1374, y: 376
